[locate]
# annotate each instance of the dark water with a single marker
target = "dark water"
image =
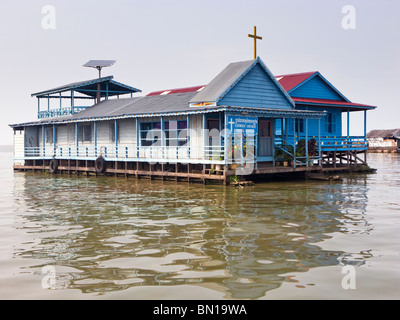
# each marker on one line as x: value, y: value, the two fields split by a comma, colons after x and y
x: 117, y: 238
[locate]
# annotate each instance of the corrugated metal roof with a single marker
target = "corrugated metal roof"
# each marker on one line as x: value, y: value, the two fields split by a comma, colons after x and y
x: 221, y: 82
x: 335, y: 103
x: 386, y: 134
x: 178, y: 90
x: 289, y: 81
x: 91, y: 85
x: 148, y: 104
x: 272, y: 113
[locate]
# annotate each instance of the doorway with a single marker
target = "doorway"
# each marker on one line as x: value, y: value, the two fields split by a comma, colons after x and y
x: 265, y: 138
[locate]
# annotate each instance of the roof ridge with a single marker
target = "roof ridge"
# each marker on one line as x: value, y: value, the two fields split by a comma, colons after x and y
x: 296, y: 74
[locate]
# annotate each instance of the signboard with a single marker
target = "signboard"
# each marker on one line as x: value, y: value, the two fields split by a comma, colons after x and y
x: 243, y: 125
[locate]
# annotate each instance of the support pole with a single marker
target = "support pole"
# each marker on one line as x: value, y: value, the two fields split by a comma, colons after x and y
x: 38, y: 106
x: 73, y: 101
x: 54, y: 140
x: 188, y: 134
x: 137, y: 137
x: 306, y: 140
x: 95, y: 138
x: 319, y: 142
x: 163, y: 135
x: 348, y: 123
x: 204, y: 135
x: 116, y: 137
x: 77, y: 138
x: 44, y: 140
x: 226, y: 137
x: 294, y: 142
x: 365, y: 123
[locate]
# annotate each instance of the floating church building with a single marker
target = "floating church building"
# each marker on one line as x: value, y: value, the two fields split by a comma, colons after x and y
x: 245, y: 123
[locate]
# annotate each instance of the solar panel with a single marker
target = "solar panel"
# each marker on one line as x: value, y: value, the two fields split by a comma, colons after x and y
x: 99, y: 63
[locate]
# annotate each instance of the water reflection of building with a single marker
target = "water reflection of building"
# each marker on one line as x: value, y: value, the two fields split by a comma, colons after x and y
x: 107, y: 237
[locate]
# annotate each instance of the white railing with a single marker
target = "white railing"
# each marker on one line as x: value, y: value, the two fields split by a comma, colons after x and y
x: 208, y: 154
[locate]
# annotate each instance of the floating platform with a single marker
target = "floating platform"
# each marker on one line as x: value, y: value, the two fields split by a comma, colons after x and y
x: 196, y: 173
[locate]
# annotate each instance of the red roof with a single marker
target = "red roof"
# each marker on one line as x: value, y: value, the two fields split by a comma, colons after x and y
x: 332, y: 103
x: 179, y: 90
x: 289, y: 81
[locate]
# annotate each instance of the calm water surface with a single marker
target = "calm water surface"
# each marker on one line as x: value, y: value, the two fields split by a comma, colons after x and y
x: 117, y: 238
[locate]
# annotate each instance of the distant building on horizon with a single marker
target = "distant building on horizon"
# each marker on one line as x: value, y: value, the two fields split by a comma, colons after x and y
x: 384, y: 140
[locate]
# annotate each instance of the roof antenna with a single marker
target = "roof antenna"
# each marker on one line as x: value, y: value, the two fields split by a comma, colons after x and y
x: 99, y: 64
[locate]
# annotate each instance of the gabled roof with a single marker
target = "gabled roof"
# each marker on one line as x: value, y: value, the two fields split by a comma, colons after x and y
x: 291, y: 82
x: 89, y: 88
x: 229, y: 77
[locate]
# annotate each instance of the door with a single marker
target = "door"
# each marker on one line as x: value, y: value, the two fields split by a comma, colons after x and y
x: 265, y: 138
x: 214, y: 138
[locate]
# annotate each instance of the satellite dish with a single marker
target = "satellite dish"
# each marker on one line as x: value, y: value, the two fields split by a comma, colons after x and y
x: 99, y: 64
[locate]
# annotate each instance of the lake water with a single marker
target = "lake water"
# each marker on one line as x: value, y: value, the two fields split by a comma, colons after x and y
x: 67, y: 237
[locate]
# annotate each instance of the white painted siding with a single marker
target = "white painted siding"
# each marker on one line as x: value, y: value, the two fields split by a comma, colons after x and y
x: 19, y: 146
x: 127, y: 132
x: 196, y: 136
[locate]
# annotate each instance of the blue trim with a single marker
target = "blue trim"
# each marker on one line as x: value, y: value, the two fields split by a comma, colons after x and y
x: 343, y: 106
x: 54, y: 136
x: 365, y: 123
x: 44, y: 139
x: 73, y: 101
x: 77, y: 134
x: 265, y: 112
x: 95, y: 137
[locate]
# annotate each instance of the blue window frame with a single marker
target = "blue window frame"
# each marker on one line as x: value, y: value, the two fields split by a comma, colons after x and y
x: 176, y: 133
x: 154, y: 137
x: 330, y: 123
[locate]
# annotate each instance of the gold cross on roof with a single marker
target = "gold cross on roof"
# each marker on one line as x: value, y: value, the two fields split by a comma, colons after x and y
x: 255, y: 37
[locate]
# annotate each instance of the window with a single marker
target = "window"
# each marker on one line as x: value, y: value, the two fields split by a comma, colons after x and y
x: 296, y: 125
x: 150, y: 133
x: 175, y: 133
x: 49, y: 135
x: 265, y: 129
x: 299, y: 123
x: 85, y: 133
x: 112, y: 131
x: 330, y: 123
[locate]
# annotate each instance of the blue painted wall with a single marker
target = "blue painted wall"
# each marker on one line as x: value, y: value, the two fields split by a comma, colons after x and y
x: 256, y: 89
x: 333, y: 129
x: 316, y: 88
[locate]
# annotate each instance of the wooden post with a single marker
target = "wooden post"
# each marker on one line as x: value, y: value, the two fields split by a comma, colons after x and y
x: 319, y: 143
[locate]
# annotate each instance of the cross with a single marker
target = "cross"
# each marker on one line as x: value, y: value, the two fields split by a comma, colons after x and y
x: 231, y: 123
x: 255, y: 37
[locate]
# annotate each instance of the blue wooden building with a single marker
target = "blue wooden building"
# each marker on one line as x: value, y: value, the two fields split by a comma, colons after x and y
x: 245, y: 122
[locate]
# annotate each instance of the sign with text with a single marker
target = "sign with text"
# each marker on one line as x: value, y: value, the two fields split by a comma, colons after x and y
x: 244, y: 125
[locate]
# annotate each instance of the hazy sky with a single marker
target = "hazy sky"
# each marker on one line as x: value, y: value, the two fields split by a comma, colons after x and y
x: 160, y: 44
